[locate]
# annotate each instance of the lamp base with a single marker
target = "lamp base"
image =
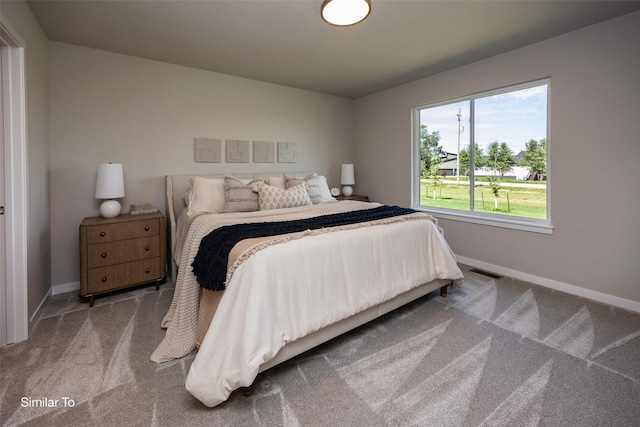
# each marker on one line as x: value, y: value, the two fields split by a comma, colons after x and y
x: 347, y: 190
x: 110, y: 209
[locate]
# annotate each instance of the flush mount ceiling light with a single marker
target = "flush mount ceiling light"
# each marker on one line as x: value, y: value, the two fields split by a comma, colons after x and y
x: 345, y: 12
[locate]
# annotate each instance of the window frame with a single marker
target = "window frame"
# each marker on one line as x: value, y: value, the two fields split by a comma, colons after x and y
x: 496, y: 220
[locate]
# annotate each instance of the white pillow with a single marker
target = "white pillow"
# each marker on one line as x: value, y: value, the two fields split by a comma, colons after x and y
x: 276, y: 181
x: 318, y: 188
x: 207, y: 195
x: 270, y: 197
x: 324, y: 190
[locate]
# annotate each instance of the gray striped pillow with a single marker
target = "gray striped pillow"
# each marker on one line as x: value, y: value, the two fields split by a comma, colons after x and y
x: 239, y: 195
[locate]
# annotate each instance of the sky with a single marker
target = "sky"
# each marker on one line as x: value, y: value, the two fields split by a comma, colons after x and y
x: 514, y: 118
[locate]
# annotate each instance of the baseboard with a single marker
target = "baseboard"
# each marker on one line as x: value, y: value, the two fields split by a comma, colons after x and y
x: 65, y: 287
x: 37, y: 310
x: 553, y: 284
x: 55, y: 290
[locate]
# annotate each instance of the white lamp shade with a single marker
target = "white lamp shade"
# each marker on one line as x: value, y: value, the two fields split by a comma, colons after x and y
x: 348, y: 176
x: 345, y: 12
x: 110, y: 182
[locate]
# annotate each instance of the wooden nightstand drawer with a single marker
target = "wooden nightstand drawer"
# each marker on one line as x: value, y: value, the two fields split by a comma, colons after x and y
x: 121, y: 252
x: 104, y: 254
x: 123, y: 275
x: 129, y: 230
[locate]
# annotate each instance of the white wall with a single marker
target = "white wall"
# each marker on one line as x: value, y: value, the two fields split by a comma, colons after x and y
x: 594, y: 142
x: 19, y: 16
x: 145, y: 114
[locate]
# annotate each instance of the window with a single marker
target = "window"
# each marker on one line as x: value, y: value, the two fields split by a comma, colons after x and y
x: 500, y: 179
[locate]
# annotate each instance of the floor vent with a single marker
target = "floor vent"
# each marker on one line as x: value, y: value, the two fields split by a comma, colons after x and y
x: 486, y: 273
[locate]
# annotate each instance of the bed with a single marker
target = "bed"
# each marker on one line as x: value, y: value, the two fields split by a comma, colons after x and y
x: 283, y: 294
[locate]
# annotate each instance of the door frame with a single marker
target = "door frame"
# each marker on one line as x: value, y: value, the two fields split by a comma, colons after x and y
x: 15, y: 184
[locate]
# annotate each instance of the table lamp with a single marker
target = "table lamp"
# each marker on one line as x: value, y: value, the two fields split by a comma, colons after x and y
x: 110, y: 186
x: 347, y: 179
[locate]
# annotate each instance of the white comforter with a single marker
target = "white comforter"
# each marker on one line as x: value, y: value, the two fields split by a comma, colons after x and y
x: 290, y: 290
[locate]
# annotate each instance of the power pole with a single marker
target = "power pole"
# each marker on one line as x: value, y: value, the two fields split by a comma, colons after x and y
x: 458, y: 155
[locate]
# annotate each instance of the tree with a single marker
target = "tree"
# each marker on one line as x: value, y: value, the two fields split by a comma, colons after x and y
x: 465, y: 159
x: 430, y: 151
x: 500, y: 160
x: 431, y: 154
x: 535, y: 156
x: 435, y: 178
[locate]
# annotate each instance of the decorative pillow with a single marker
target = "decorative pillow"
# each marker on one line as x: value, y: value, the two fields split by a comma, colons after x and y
x: 323, y: 189
x: 185, y: 197
x: 207, y: 195
x: 271, y: 197
x: 239, y: 195
x: 276, y: 181
x: 318, y: 188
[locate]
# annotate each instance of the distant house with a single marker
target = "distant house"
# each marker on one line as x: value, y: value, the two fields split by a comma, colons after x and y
x: 517, y: 172
x: 449, y: 165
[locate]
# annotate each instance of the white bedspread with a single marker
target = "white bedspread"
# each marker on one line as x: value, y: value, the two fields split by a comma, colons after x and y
x: 182, y: 317
x: 290, y: 290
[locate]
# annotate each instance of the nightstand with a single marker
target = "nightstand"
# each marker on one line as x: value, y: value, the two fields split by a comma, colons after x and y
x: 354, y: 197
x: 118, y: 253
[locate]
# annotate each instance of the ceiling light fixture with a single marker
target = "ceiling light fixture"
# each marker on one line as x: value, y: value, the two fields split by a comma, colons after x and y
x: 345, y: 12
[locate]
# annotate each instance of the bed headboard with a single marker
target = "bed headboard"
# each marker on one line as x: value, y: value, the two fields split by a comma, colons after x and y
x: 177, y: 185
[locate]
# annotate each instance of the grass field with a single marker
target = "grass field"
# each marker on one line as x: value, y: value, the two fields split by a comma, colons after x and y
x: 516, y: 201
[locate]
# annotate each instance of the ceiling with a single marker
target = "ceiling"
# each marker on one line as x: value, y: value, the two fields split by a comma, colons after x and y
x: 287, y: 42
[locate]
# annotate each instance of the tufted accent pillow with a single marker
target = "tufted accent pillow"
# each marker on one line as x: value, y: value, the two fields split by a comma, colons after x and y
x: 317, y: 187
x: 239, y: 195
x: 270, y: 197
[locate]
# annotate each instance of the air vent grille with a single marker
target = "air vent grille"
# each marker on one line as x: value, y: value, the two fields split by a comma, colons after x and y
x: 486, y: 273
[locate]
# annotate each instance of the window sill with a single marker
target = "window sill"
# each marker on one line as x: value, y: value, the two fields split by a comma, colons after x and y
x: 522, y: 224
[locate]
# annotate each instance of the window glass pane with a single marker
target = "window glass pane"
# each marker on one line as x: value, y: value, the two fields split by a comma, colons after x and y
x: 444, y: 174
x: 504, y: 174
x: 510, y: 131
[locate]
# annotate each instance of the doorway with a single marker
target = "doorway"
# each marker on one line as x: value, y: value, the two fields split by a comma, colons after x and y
x: 3, y: 266
x: 14, y: 320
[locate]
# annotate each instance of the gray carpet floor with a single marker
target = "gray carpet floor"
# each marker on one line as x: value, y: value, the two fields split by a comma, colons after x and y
x: 499, y: 352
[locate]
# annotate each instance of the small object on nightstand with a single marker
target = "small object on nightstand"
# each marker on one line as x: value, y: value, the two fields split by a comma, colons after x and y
x: 335, y: 191
x: 144, y: 208
x: 121, y: 252
x: 354, y: 197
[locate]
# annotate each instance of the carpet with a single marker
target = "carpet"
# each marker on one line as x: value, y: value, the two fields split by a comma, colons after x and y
x: 498, y: 352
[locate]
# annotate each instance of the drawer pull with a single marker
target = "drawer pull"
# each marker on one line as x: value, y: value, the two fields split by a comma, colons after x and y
x: 147, y: 270
x: 104, y: 279
x: 146, y: 248
x: 146, y: 228
x: 102, y: 234
x: 104, y: 255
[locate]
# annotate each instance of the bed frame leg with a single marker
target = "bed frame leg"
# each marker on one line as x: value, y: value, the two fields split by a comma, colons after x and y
x: 443, y: 291
x: 247, y: 391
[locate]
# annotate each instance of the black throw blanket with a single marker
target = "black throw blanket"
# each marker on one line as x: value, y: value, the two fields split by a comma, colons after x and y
x: 210, y: 263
